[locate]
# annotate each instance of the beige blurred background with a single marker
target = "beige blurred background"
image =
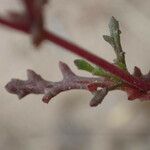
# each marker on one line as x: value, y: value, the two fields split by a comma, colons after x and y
x: 68, y: 122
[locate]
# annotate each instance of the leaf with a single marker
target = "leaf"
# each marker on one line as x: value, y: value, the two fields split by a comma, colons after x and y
x: 100, y: 72
x: 98, y: 97
x: 83, y: 65
x: 121, y: 65
x: 109, y: 39
x: 114, y: 41
x: 114, y: 27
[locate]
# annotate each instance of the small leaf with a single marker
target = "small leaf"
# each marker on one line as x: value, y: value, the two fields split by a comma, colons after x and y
x: 100, y: 72
x: 98, y: 97
x: 83, y: 65
x: 109, y: 39
x: 121, y: 65
x: 114, y: 40
x: 137, y: 72
x: 114, y: 27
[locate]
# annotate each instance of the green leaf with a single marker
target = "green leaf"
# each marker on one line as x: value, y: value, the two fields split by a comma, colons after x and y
x: 100, y: 72
x: 121, y: 65
x: 109, y: 39
x: 114, y: 27
x: 114, y: 41
x: 83, y: 65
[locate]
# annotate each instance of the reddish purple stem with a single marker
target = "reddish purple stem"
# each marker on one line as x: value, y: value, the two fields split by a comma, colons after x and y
x: 133, y: 81
x: 137, y: 83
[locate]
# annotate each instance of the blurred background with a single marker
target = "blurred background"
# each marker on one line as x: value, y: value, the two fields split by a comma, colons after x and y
x: 68, y: 122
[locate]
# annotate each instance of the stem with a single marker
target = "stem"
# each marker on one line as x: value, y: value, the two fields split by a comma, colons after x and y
x: 126, y: 77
